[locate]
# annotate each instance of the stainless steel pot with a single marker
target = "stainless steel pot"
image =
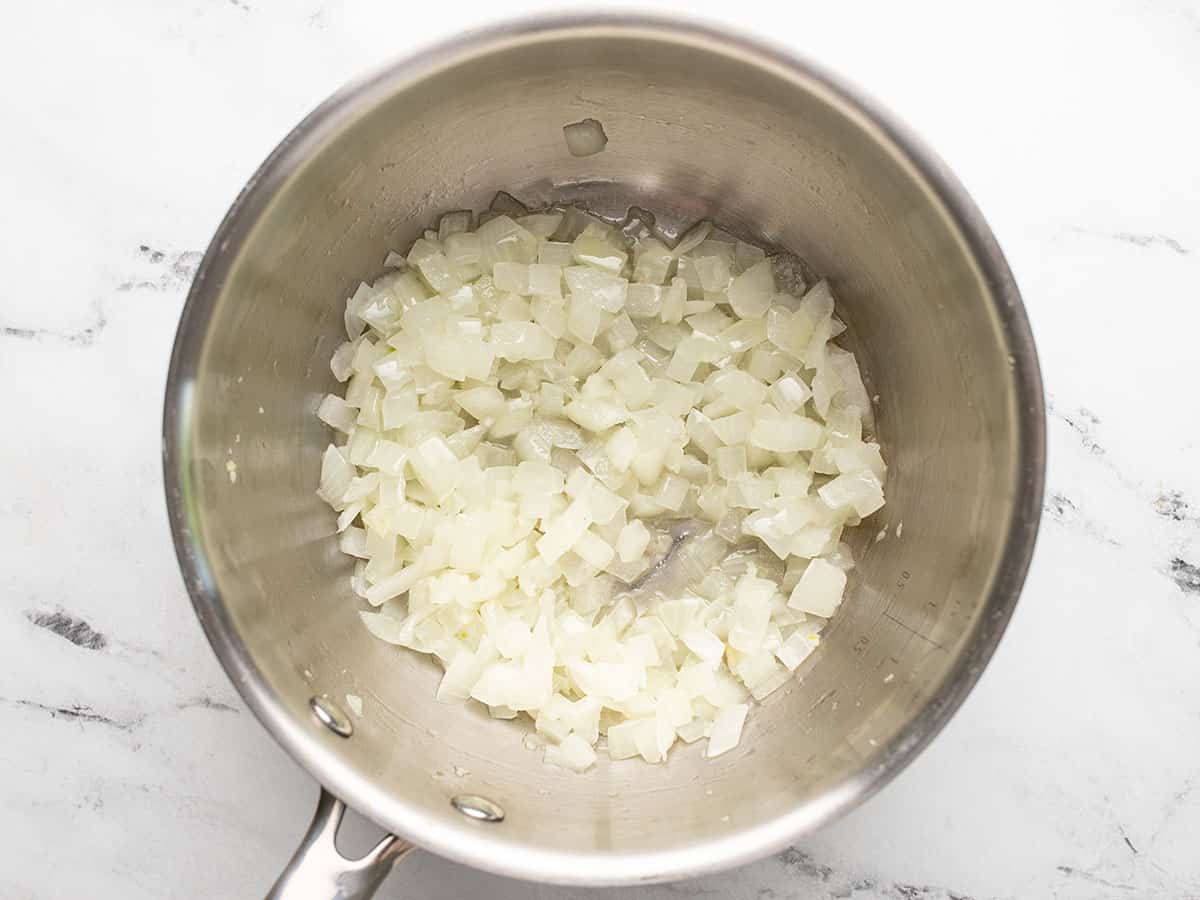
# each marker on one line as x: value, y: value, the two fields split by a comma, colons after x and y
x: 700, y: 124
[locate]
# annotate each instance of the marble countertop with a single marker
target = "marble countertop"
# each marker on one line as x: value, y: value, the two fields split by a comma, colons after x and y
x: 129, y: 767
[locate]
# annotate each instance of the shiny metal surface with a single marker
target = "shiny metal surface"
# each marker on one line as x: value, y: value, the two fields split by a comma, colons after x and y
x: 331, y: 716
x: 698, y: 124
x: 318, y: 871
x: 479, y: 808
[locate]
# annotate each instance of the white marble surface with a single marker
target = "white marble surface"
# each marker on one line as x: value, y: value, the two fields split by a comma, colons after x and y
x: 129, y: 767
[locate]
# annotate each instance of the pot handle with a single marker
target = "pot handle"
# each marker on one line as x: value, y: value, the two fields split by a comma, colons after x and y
x: 317, y: 871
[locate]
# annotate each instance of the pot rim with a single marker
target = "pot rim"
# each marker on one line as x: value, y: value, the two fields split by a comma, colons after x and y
x: 466, y: 842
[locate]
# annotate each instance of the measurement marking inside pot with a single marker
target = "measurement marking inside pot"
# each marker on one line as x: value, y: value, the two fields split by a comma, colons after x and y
x: 909, y: 628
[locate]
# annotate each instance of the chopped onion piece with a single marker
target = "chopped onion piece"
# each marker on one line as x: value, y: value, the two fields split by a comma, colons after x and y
x: 632, y: 541
x: 726, y: 731
x: 750, y: 292
x: 704, y: 644
x: 573, y: 752
x: 337, y: 413
x: 336, y: 474
x: 860, y: 491
x: 819, y: 590
x: 585, y: 138
x: 690, y: 241
x: 544, y: 225
x: 596, y: 415
x: 516, y: 341
x: 436, y: 465
x: 785, y: 433
x: 798, y: 647
x: 593, y: 250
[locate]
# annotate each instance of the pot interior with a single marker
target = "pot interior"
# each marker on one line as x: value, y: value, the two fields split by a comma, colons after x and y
x: 698, y: 126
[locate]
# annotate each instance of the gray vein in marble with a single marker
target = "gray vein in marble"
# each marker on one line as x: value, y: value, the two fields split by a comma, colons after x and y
x: 1138, y: 239
x: 177, y: 270
x: 1171, y: 505
x: 853, y: 887
x: 1150, y: 240
x: 1185, y: 575
x: 1062, y: 509
x: 689, y: 889
x: 76, y: 712
x: 1094, y: 879
x: 84, y: 337
x: 68, y: 627
x: 1060, y: 506
x: 802, y: 867
x: 926, y: 892
x: 207, y: 703
x: 1172, y: 807
x: 1083, y: 423
x: 800, y: 863
x: 1168, y: 503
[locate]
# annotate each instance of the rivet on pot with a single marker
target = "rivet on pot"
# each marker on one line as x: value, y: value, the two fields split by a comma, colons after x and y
x: 331, y: 716
x: 477, y: 807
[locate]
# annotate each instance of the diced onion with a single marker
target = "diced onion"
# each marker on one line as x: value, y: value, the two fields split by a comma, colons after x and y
x: 585, y: 138
x: 819, y: 590
x: 572, y: 752
x: 559, y: 436
x: 726, y: 729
